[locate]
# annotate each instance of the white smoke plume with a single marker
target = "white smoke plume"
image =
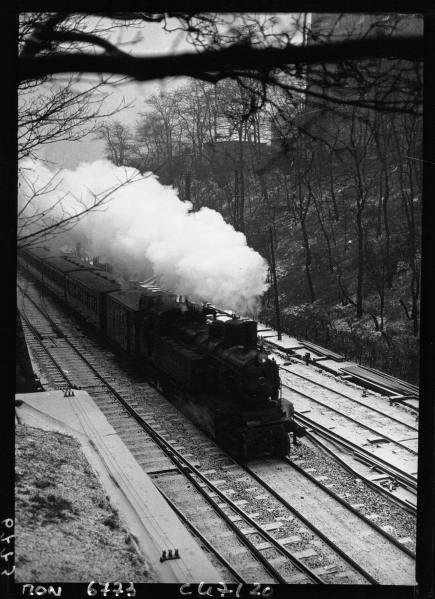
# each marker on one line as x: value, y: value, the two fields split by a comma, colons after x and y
x: 195, y: 254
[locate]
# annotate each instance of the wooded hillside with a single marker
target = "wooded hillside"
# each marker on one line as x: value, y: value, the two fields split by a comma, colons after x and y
x: 340, y: 186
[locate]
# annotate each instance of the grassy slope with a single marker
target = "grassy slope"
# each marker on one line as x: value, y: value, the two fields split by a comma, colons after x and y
x: 66, y: 528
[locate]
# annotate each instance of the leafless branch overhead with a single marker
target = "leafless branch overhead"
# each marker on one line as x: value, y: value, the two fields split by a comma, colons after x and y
x: 215, y: 65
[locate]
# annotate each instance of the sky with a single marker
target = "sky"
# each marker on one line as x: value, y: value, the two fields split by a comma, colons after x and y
x: 153, y: 40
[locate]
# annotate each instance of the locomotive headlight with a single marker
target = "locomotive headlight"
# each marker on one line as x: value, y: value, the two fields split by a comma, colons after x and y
x: 262, y: 358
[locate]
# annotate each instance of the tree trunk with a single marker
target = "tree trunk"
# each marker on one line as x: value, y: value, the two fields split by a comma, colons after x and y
x: 379, y: 224
x: 242, y: 185
x: 308, y: 261
x: 331, y: 264
x: 334, y: 200
x: 359, y: 290
x: 415, y: 290
x: 388, y: 264
x: 382, y: 296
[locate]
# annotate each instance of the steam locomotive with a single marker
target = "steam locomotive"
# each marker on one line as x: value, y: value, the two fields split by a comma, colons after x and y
x: 213, y: 370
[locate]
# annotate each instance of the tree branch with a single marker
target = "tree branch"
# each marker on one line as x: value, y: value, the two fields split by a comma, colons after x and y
x: 72, y: 36
x: 408, y: 315
x: 215, y: 65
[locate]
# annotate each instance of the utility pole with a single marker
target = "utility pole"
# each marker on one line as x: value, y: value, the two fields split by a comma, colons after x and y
x: 275, y: 286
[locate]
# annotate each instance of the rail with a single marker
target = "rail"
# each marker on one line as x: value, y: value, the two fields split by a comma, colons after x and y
x: 406, y: 479
x: 359, y: 423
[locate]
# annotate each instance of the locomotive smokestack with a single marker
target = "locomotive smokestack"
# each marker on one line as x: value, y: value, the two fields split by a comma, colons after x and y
x: 234, y: 333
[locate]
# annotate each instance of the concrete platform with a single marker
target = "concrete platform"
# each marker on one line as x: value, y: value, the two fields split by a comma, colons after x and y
x: 286, y: 343
x: 325, y: 363
x: 132, y: 492
x: 298, y: 350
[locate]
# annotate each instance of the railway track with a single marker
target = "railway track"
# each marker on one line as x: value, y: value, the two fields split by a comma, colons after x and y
x: 388, y: 490
x: 258, y: 535
x: 324, y: 501
x: 366, y: 440
x: 400, y: 432
x: 354, y: 509
x: 390, y: 413
x: 409, y: 480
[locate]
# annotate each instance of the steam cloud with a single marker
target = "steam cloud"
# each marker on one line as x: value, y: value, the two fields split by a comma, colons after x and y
x: 195, y: 254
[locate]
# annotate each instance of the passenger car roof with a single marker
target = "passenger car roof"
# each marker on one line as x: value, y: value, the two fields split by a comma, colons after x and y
x: 65, y: 265
x: 128, y: 298
x: 95, y: 281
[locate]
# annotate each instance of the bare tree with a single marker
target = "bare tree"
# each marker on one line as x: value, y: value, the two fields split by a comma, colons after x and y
x: 118, y: 142
x: 56, y: 109
x: 197, y: 110
x: 53, y: 109
x: 149, y: 141
x: 407, y: 146
x: 166, y: 107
